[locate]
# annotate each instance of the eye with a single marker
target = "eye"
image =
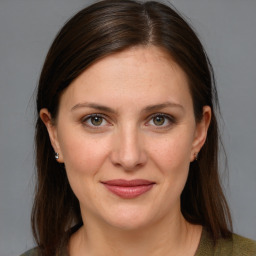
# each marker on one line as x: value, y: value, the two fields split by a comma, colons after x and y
x: 161, y: 120
x: 95, y: 120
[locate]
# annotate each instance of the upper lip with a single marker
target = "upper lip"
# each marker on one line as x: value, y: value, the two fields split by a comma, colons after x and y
x: 128, y: 183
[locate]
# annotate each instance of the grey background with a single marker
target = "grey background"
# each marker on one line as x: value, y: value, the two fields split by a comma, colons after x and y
x: 227, y: 28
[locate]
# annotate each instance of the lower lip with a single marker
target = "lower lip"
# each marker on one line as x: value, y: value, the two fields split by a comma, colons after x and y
x: 129, y: 192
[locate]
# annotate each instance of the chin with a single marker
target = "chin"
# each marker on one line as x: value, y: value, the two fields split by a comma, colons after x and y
x: 129, y: 219
x: 126, y: 225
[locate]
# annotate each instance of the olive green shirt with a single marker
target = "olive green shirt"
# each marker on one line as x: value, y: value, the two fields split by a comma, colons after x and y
x: 237, y: 246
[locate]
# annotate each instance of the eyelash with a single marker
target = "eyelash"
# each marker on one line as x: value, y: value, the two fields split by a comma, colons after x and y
x: 170, y: 119
x: 89, y: 117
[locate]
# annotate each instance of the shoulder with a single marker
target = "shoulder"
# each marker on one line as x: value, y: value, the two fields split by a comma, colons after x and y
x: 32, y: 252
x: 235, y: 246
x: 243, y: 246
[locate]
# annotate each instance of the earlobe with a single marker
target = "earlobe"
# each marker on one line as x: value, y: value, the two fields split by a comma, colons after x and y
x: 46, y: 118
x: 201, y: 132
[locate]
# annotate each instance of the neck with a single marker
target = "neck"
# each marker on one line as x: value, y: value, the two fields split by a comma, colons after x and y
x: 180, y: 238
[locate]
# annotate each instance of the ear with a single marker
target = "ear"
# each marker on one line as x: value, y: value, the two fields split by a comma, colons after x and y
x: 201, y: 132
x: 52, y: 131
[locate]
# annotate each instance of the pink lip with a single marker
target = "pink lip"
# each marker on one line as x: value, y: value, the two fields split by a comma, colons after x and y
x: 128, y: 188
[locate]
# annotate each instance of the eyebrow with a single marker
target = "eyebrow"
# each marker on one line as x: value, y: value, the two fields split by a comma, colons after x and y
x: 94, y: 106
x: 147, y: 109
x: 151, y: 108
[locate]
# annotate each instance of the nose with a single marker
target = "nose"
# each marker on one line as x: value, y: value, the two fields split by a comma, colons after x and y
x: 128, y: 150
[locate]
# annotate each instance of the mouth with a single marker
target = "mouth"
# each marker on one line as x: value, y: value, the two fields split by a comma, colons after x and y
x: 128, y: 189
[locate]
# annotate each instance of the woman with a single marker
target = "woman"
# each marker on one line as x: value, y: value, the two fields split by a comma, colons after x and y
x: 127, y: 139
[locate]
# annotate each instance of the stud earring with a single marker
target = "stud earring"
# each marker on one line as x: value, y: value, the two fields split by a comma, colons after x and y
x: 195, y: 156
x: 56, y: 156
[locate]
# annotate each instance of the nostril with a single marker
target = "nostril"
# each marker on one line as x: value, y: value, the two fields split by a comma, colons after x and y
x: 127, y: 149
x: 129, y: 162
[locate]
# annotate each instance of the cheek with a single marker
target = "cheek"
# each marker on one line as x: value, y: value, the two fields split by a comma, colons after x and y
x: 173, y: 152
x: 174, y: 165
x: 83, y: 158
x: 83, y: 155
x: 172, y: 157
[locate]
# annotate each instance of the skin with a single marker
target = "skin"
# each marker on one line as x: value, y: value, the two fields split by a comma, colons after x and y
x: 129, y: 142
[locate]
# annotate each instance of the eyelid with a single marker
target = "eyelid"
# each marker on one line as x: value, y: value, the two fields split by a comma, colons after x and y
x: 169, y: 117
x: 87, y: 117
x: 84, y: 118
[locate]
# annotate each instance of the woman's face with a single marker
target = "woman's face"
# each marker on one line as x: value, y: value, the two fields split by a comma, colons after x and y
x: 126, y: 133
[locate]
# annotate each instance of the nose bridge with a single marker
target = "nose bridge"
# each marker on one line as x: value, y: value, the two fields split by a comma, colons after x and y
x: 129, y: 152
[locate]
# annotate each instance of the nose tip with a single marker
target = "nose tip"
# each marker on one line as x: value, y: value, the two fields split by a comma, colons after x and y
x: 129, y: 153
x: 130, y: 160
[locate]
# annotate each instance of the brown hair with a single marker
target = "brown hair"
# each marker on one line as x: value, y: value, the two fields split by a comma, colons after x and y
x: 95, y: 32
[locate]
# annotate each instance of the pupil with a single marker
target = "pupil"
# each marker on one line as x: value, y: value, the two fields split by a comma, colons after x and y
x: 96, y: 120
x: 158, y: 120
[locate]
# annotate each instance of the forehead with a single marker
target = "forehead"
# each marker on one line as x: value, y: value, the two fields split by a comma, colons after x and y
x: 139, y: 74
x: 136, y: 62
